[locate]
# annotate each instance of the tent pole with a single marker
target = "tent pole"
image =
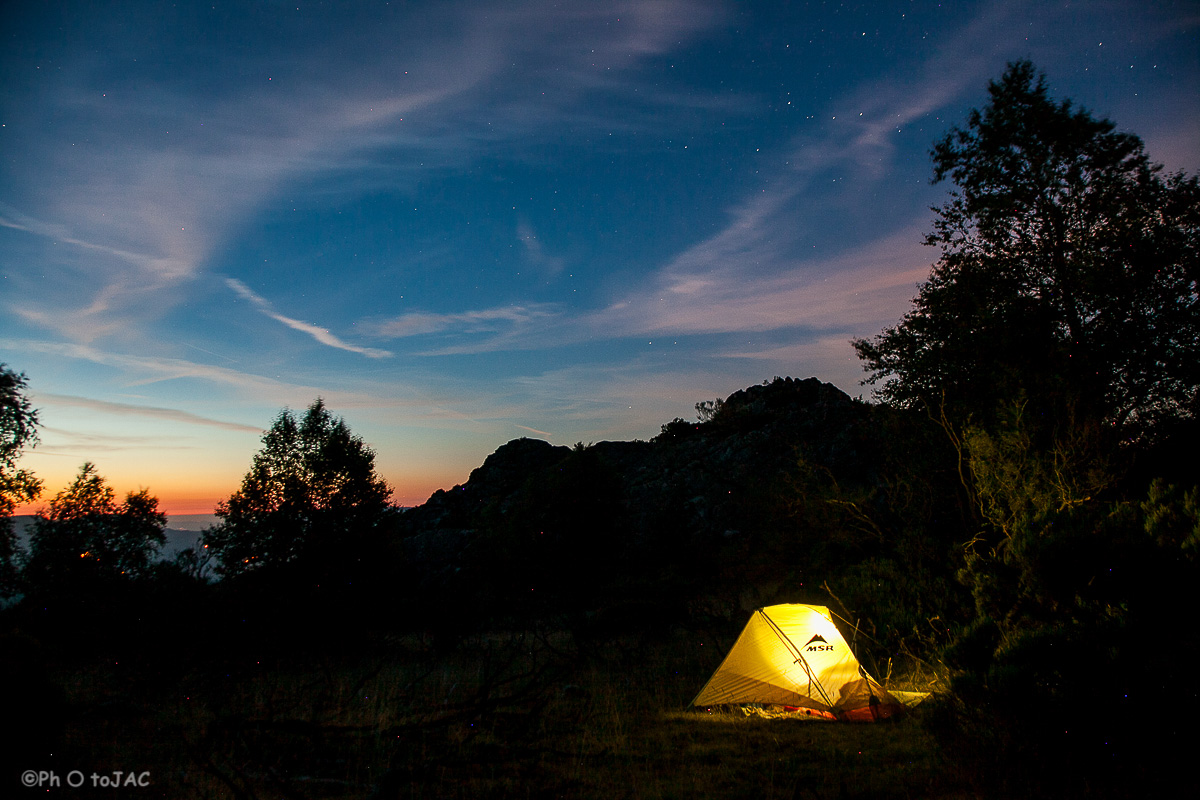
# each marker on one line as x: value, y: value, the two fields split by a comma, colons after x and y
x: 800, y: 659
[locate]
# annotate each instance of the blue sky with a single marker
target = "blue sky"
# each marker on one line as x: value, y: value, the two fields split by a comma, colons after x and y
x: 465, y: 222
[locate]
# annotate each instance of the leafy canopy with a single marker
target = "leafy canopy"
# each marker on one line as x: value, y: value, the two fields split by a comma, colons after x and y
x: 1068, y: 272
x: 85, y: 534
x: 18, y: 430
x: 311, y: 486
x: 1063, y: 308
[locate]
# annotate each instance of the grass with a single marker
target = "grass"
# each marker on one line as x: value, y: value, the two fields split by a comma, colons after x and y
x: 519, y: 715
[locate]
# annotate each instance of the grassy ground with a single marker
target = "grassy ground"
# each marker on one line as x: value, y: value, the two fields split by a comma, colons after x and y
x: 502, y: 716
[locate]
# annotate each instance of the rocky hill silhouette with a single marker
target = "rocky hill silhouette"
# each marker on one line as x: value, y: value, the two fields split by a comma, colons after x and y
x: 656, y: 517
x: 757, y: 435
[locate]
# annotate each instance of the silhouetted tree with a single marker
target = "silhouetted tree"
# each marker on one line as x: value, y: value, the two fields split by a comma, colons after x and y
x: 18, y: 430
x: 311, y: 494
x: 86, y: 537
x: 1063, y: 309
x: 1069, y: 272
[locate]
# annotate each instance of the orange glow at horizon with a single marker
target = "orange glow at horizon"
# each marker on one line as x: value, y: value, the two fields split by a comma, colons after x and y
x: 192, y: 478
x: 179, y: 500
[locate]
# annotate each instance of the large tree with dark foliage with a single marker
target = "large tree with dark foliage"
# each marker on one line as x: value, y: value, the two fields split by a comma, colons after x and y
x: 1063, y: 309
x: 311, y: 492
x: 85, y: 538
x: 18, y: 431
x: 1068, y: 272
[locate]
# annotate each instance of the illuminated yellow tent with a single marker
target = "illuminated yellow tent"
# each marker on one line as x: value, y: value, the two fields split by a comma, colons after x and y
x: 793, y: 656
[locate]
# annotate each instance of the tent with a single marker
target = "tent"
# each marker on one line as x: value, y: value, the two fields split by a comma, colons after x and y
x: 793, y: 656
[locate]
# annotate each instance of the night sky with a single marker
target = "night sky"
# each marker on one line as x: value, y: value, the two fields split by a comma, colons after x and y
x: 461, y: 223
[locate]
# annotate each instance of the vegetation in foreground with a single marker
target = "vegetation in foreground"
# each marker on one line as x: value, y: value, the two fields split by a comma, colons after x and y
x: 513, y: 715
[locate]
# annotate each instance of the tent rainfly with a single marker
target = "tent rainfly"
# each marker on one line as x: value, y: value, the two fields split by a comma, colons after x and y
x: 793, y: 656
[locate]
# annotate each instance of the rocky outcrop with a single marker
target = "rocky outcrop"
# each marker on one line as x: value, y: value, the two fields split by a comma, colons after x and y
x: 699, y: 516
x: 490, y: 487
x: 699, y: 475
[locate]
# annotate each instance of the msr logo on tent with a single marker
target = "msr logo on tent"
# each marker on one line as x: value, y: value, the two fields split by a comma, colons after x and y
x: 811, y: 645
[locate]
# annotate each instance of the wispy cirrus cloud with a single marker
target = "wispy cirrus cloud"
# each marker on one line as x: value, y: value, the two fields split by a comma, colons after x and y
x: 535, y: 431
x: 321, y: 335
x: 140, y: 411
x: 131, y: 370
x: 69, y: 443
x: 868, y: 119
x: 752, y: 274
x: 170, y: 167
x: 488, y: 320
x: 536, y: 253
x: 857, y: 289
x: 141, y: 370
